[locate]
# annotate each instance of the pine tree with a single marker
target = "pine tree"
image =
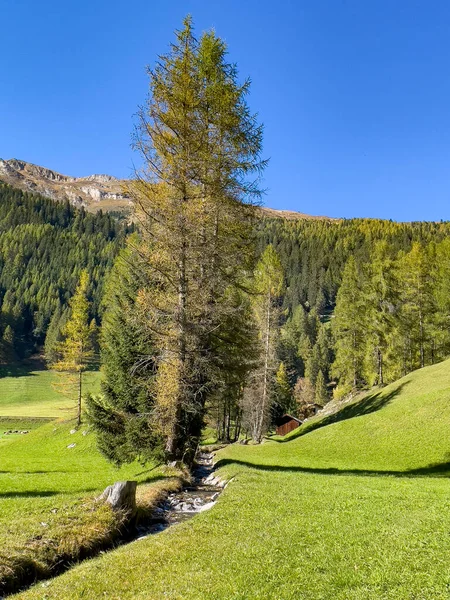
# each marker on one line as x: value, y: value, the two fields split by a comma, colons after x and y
x: 237, y: 357
x: 283, y: 392
x: 321, y: 356
x: 54, y: 335
x: 75, y: 351
x: 290, y: 336
x: 9, y: 352
x: 321, y: 393
x: 121, y: 414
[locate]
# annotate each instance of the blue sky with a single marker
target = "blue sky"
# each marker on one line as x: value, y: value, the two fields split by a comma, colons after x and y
x: 354, y: 94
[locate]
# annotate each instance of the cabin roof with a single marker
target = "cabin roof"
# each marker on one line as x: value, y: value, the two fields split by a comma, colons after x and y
x: 286, y: 418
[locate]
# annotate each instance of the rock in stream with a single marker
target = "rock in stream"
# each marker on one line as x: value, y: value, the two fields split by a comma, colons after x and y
x: 201, y: 495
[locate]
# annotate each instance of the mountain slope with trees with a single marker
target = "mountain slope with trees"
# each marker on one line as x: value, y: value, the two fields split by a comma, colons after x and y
x: 366, y: 301
x: 44, y: 247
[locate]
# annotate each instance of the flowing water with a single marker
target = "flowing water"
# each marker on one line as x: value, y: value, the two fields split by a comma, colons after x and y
x: 199, y: 496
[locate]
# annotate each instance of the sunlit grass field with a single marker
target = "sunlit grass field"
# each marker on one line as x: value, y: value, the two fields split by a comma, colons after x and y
x: 48, y: 479
x: 50, y: 475
x: 356, y: 509
x: 25, y: 392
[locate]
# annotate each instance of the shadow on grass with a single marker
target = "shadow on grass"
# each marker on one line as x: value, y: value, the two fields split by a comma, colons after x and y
x: 28, y: 494
x: 47, y: 472
x: 149, y: 470
x: 368, y: 404
x: 434, y: 469
x: 18, y: 371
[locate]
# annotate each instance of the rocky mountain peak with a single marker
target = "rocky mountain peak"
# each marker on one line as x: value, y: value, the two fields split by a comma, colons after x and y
x: 93, y: 192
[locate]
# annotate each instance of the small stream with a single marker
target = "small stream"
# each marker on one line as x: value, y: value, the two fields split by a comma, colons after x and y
x: 195, y: 498
x: 200, y: 495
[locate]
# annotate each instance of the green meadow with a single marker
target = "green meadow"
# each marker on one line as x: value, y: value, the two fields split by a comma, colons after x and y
x: 50, y: 477
x: 49, y: 480
x: 353, y: 507
x: 28, y: 392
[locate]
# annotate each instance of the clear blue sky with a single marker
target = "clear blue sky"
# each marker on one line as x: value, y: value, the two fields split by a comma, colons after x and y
x: 354, y: 94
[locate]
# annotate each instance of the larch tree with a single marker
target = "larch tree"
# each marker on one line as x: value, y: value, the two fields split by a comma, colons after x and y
x: 259, y: 397
x: 381, y: 298
x: 350, y: 329
x: 283, y: 392
x: 76, y: 351
x: 442, y: 298
x: 201, y: 152
x: 321, y: 393
x: 416, y: 279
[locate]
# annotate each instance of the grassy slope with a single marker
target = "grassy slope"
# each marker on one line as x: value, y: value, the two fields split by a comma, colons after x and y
x: 44, y: 492
x: 30, y: 393
x: 11, y: 424
x: 313, y: 518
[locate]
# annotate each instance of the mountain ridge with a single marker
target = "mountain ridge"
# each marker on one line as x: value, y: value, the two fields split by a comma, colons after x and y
x: 93, y: 192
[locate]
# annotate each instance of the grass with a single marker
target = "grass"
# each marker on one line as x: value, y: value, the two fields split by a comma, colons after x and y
x: 10, y: 425
x: 353, y: 509
x: 48, y: 481
x: 28, y: 392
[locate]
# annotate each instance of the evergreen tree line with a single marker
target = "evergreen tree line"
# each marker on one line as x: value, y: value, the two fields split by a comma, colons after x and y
x: 379, y: 310
x: 44, y: 247
x: 314, y: 252
x: 392, y: 314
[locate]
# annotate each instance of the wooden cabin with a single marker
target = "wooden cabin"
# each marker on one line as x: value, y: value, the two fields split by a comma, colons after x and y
x: 287, y: 423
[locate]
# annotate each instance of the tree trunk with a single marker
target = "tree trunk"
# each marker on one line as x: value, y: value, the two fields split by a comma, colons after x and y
x: 80, y: 383
x: 121, y: 496
x: 380, y: 368
x: 266, y: 372
x: 175, y: 444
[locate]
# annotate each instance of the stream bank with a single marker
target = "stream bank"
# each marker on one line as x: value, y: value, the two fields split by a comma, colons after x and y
x: 172, y: 507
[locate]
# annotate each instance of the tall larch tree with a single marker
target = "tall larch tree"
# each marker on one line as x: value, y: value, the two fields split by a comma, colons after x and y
x: 201, y: 150
x: 349, y: 329
x: 76, y: 351
x: 416, y: 280
x: 269, y: 282
x: 381, y: 299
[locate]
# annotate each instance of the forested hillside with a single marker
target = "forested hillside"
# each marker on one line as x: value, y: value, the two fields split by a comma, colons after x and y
x: 314, y: 252
x: 44, y: 245
x: 366, y: 302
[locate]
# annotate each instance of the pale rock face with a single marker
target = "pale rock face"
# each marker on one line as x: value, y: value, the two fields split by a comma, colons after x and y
x: 93, y: 192
x: 6, y: 168
x: 101, y: 178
